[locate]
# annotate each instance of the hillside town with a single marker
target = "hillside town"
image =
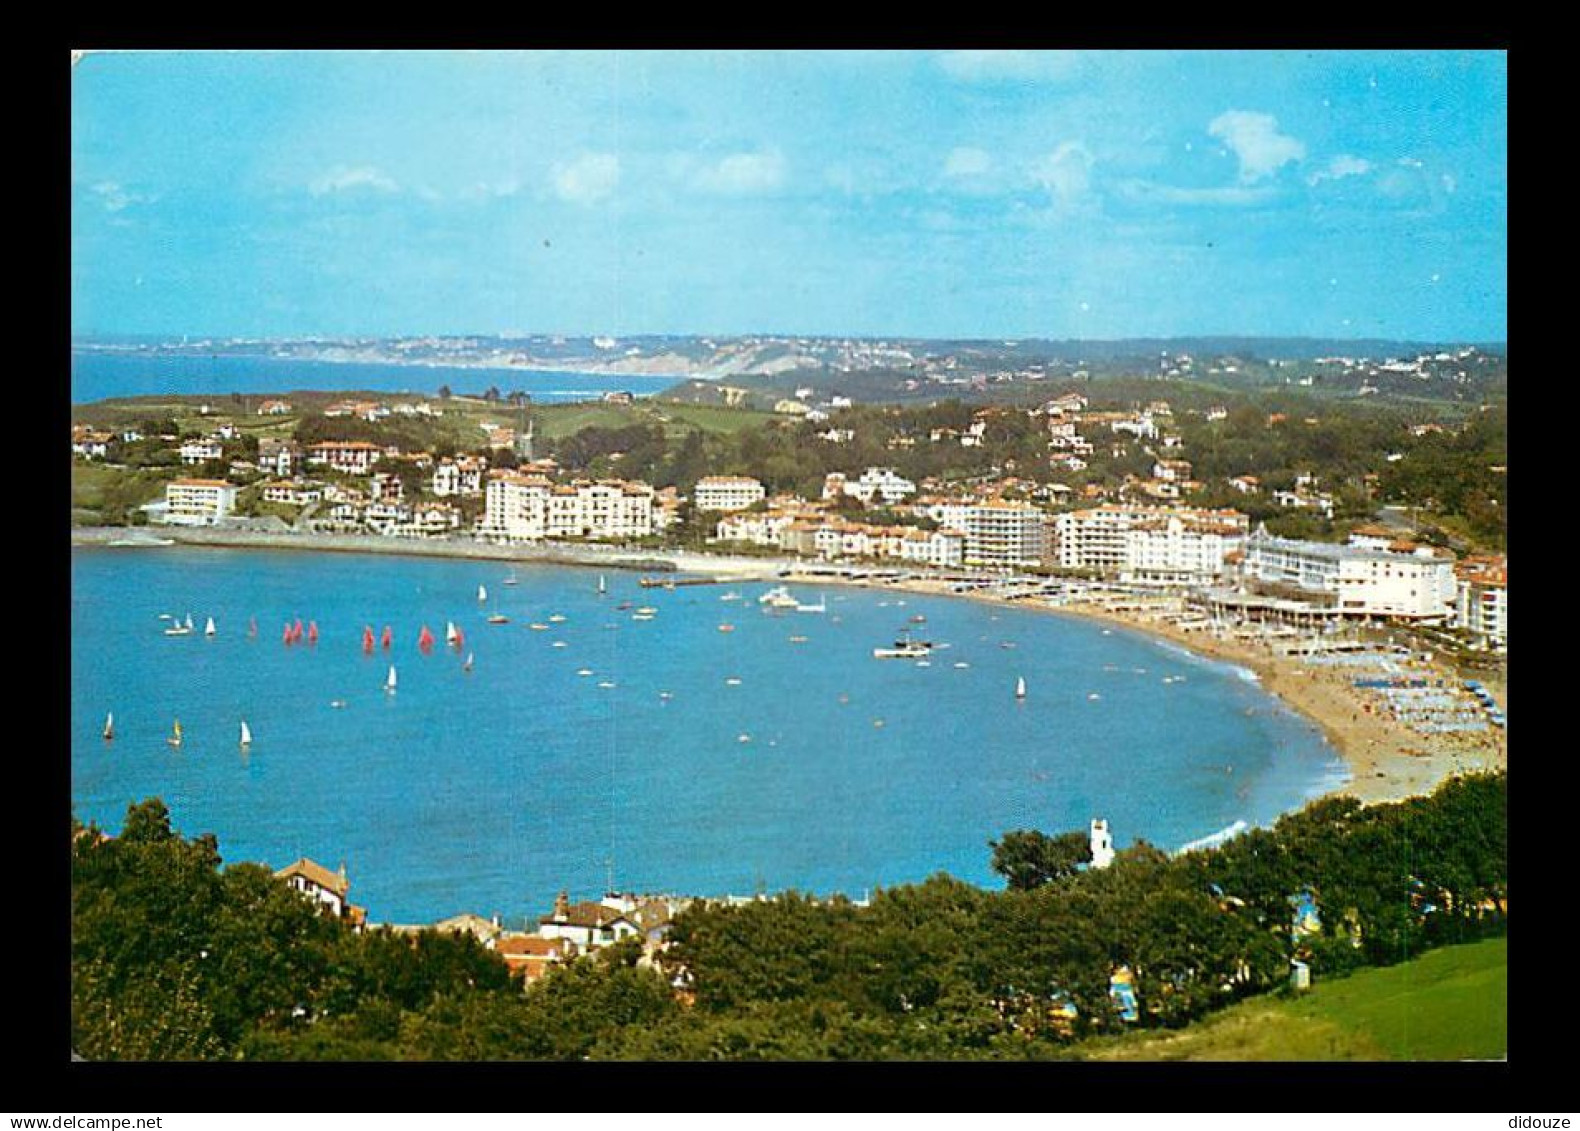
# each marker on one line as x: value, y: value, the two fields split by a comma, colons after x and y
x: 1146, y: 532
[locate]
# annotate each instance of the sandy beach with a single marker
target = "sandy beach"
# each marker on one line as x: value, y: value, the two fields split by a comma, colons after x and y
x: 1388, y: 760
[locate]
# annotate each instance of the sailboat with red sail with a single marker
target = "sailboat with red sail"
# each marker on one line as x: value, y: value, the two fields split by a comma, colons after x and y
x: 425, y: 640
x: 388, y: 638
x: 367, y: 638
x: 285, y: 637
x: 312, y: 632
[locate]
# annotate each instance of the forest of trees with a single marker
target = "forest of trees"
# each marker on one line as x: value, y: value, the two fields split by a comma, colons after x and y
x: 176, y: 957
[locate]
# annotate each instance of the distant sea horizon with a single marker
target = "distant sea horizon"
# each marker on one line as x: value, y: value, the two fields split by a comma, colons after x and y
x: 100, y: 375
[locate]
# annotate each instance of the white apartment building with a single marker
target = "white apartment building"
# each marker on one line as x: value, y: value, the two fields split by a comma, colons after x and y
x: 1002, y: 533
x: 531, y: 507
x: 726, y: 493
x: 198, y: 502
x: 1418, y: 583
x: 1481, y: 604
x: 200, y: 451
x: 1148, y: 541
x: 1179, y: 551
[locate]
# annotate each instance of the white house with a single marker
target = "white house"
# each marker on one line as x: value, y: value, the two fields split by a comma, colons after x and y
x: 462, y: 476
x: 325, y: 888
x: 881, y: 483
x: 354, y: 457
x: 588, y: 925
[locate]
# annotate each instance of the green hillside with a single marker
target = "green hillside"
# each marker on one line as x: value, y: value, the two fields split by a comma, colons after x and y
x: 1449, y: 1004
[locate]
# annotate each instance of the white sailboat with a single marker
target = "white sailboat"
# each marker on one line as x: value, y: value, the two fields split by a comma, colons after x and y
x: 482, y: 595
x: 109, y: 726
x: 175, y: 735
x: 208, y: 629
x: 601, y: 589
x: 246, y: 735
x: 189, y: 622
x: 466, y: 667
x: 449, y: 632
x: 1020, y: 687
x: 389, y: 682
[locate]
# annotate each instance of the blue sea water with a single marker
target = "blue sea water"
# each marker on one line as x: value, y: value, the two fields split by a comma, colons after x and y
x: 493, y: 789
x: 97, y: 375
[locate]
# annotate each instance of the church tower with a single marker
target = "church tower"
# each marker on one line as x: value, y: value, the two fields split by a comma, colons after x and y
x: 1102, y: 844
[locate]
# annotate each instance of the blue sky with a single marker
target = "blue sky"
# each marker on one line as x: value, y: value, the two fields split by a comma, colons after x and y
x: 920, y: 194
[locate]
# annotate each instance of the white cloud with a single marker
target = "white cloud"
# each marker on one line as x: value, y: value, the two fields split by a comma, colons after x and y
x: 114, y: 198
x: 1065, y: 173
x: 1149, y: 192
x: 741, y: 174
x: 343, y: 179
x: 1341, y: 166
x: 588, y: 179
x: 964, y: 161
x: 992, y: 66
x: 1255, y: 140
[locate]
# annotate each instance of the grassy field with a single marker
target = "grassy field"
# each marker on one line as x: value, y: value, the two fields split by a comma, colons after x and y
x: 1450, y: 1004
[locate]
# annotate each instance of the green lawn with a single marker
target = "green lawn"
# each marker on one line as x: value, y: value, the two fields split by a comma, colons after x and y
x: 1450, y: 1004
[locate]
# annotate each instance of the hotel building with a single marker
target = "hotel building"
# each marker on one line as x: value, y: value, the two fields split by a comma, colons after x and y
x: 726, y: 493
x: 198, y: 502
x: 531, y: 507
x: 1415, y: 582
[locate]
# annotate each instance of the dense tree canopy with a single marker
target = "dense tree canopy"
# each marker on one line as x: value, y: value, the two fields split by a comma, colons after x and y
x: 175, y: 957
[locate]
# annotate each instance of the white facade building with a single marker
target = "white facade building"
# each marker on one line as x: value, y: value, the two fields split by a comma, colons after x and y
x: 1001, y: 533
x: 459, y: 477
x: 880, y: 483
x: 1481, y: 604
x: 354, y: 457
x: 200, y: 451
x: 1149, y: 543
x: 198, y: 502
x: 1418, y: 583
x: 531, y: 507
x: 726, y: 493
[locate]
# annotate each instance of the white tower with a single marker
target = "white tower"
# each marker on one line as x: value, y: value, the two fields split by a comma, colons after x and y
x: 1102, y: 844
